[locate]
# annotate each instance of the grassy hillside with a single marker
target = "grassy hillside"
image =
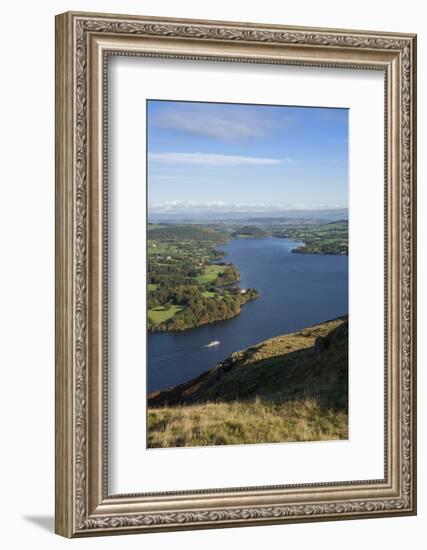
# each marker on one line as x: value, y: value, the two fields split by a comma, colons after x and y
x: 250, y: 231
x: 289, y: 388
x: 184, y: 232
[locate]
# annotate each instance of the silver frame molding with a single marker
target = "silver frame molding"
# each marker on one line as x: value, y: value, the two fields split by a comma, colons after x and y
x: 83, y: 43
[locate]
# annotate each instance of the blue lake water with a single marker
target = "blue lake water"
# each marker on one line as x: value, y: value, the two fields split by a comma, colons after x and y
x: 296, y: 291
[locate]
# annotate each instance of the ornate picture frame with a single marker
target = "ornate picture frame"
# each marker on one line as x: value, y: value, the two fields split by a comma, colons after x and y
x: 84, y: 42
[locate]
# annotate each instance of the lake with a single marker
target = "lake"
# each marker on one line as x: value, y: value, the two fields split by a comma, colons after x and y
x: 295, y: 291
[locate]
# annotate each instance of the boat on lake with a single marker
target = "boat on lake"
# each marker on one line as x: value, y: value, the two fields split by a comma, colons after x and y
x: 212, y: 344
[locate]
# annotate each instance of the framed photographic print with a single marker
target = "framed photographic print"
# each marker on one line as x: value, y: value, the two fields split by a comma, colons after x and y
x: 235, y: 274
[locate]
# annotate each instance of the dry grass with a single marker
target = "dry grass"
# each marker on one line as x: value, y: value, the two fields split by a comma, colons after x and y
x: 236, y: 423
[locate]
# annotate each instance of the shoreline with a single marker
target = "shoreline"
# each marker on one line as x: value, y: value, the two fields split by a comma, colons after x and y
x: 291, y: 387
x: 244, y: 295
x: 279, y: 277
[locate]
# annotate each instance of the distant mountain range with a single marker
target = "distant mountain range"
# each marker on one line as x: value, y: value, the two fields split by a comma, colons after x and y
x: 330, y: 214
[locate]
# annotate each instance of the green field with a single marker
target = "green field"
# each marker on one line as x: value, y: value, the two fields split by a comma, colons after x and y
x: 152, y: 226
x: 208, y: 294
x: 162, y: 313
x: 183, y: 267
x: 210, y: 274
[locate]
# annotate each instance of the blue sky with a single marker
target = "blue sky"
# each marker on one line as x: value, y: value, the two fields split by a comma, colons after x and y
x: 245, y: 157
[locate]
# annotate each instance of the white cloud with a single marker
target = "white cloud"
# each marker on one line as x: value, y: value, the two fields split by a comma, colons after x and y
x: 208, y: 159
x: 223, y: 122
x: 175, y: 206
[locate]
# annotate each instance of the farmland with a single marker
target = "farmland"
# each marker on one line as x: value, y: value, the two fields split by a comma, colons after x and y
x: 188, y: 283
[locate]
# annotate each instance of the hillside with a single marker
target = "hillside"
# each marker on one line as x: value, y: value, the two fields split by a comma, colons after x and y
x: 184, y: 232
x: 325, y: 238
x: 188, y: 283
x: 289, y: 388
x: 249, y: 231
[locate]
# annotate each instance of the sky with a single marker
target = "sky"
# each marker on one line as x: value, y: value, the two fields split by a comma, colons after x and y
x: 236, y: 157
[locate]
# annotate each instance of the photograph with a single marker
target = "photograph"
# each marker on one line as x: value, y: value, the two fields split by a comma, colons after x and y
x: 247, y: 273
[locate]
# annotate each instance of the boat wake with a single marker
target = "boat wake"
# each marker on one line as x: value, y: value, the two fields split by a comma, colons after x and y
x: 161, y: 357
